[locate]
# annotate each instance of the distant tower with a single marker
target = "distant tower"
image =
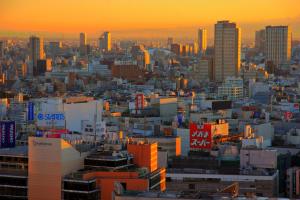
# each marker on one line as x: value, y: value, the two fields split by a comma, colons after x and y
x: 82, y: 44
x: 105, y: 42
x: 202, y: 40
x: 278, y: 45
x: 170, y: 42
x: 227, y: 50
x: 36, y: 46
x: 82, y: 39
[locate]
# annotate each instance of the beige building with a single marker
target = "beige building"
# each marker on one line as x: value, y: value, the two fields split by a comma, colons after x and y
x: 202, y: 40
x: 278, y: 44
x: 49, y: 160
x: 227, y: 50
x: 105, y: 41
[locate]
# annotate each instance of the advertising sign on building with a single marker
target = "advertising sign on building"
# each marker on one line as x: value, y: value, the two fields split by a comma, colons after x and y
x: 200, y: 136
x: 288, y: 115
x: 7, y: 134
x: 30, y: 111
x: 139, y: 101
x: 51, y: 120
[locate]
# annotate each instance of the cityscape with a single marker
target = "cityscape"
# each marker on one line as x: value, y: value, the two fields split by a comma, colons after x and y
x: 149, y: 100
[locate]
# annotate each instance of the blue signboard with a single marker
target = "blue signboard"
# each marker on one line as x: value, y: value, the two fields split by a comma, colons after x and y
x: 30, y: 111
x: 180, y: 119
x: 7, y: 134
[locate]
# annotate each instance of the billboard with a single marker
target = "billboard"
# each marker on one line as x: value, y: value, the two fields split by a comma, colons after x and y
x: 51, y: 120
x: 7, y: 134
x: 30, y: 111
x: 200, y: 136
x: 139, y: 101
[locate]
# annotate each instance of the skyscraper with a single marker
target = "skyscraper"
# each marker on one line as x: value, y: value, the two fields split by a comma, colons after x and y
x: 82, y: 44
x: 260, y: 40
x: 202, y: 40
x: 36, y: 45
x: 1, y: 49
x: 82, y: 39
x: 227, y: 50
x: 105, y: 41
x: 278, y: 44
x: 170, y: 42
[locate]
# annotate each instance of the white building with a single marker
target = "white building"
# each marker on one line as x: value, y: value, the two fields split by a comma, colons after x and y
x: 231, y: 89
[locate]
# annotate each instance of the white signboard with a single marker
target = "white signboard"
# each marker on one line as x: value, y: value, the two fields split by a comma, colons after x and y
x: 51, y: 120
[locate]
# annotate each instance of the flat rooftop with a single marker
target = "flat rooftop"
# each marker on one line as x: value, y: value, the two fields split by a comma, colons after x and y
x: 18, y: 151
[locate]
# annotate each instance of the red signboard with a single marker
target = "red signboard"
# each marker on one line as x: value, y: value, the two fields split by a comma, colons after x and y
x: 288, y: 115
x: 200, y: 136
x: 139, y: 101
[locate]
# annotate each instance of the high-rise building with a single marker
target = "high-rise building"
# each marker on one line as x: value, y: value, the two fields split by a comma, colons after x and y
x: 1, y: 49
x: 36, y: 45
x: 202, y: 40
x: 82, y: 44
x: 260, y: 40
x: 82, y: 39
x: 278, y: 45
x: 176, y: 48
x: 105, y: 41
x: 55, y: 48
x: 227, y: 50
x: 170, y: 42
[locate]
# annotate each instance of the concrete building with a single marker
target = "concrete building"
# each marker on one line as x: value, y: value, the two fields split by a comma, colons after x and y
x: 1, y: 49
x: 202, y: 40
x: 227, y: 50
x: 49, y: 160
x: 167, y: 107
x: 278, y: 45
x: 256, y: 182
x: 258, y: 158
x: 36, y: 46
x: 203, y: 70
x: 105, y: 42
x: 231, y: 89
x: 176, y: 49
x: 260, y: 40
x: 293, y: 182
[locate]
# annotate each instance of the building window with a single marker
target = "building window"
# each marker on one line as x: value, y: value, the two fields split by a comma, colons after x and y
x: 192, y: 186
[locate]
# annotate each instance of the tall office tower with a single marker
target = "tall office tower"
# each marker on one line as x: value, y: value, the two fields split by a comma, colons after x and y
x: 202, y: 40
x: 105, y: 41
x: 278, y: 45
x: 36, y: 45
x: 1, y: 49
x: 82, y: 44
x: 82, y: 39
x: 227, y: 50
x: 260, y: 40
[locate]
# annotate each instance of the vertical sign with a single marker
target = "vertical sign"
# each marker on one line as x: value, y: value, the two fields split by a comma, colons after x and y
x: 139, y: 102
x: 200, y: 137
x: 8, y: 134
x: 30, y: 111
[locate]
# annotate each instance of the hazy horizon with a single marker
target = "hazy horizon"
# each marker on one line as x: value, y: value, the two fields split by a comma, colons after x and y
x: 142, y: 19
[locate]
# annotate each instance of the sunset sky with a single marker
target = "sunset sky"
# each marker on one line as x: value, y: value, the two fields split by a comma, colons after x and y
x: 144, y: 18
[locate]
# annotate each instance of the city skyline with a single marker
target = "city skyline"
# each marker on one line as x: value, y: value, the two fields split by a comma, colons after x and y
x: 141, y: 19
